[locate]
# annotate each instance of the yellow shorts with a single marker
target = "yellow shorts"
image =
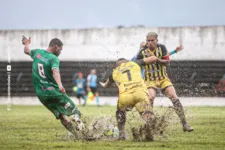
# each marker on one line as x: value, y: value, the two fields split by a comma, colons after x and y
x: 163, y: 83
x: 138, y: 99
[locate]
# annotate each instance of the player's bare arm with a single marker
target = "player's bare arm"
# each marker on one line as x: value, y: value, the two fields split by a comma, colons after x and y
x: 166, y: 59
x: 26, y: 42
x: 178, y: 49
x: 57, y: 77
x: 151, y: 59
x: 163, y: 61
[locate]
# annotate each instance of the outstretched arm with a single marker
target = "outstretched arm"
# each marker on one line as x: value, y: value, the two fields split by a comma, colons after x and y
x: 166, y: 58
x: 178, y: 49
x: 26, y: 42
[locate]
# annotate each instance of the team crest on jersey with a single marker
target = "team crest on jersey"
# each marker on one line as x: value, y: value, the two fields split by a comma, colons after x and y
x: 38, y: 56
x: 44, y: 88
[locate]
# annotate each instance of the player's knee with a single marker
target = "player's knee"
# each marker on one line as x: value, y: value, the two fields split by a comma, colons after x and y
x: 151, y: 97
x: 148, y: 116
x: 171, y: 94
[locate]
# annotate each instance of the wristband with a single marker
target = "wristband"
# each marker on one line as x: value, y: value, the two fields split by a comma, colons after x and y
x: 173, y: 52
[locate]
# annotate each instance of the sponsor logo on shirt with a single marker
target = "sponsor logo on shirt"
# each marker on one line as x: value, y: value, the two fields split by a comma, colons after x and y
x: 41, y: 58
x: 38, y: 56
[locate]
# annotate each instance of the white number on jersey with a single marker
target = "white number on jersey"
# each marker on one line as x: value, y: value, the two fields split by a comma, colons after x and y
x: 41, y: 70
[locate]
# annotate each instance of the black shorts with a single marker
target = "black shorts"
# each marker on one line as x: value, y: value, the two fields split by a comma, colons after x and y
x: 80, y: 95
x: 94, y: 90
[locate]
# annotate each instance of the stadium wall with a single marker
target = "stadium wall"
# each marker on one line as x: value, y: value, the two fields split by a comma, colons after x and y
x: 195, y: 72
x: 107, y: 44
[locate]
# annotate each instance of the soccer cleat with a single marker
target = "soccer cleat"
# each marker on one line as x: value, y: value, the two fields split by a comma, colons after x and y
x: 187, y: 128
x: 149, y: 138
x: 80, y: 124
x: 122, y: 135
x: 136, y: 134
x: 71, y: 129
x: 149, y: 131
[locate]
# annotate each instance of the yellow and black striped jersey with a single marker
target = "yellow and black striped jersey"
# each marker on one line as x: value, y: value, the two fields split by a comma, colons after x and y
x: 155, y: 70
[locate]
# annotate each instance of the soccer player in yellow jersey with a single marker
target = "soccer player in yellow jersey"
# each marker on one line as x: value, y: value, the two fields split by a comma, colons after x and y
x: 132, y: 93
x: 156, y: 75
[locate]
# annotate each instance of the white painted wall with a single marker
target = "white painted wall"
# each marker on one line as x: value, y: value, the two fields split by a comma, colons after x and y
x: 201, y: 43
x: 159, y: 101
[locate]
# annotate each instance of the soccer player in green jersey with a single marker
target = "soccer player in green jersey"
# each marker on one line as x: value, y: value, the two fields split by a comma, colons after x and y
x: 48, y: 86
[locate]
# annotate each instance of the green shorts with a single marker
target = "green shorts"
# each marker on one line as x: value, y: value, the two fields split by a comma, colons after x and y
x: 60, y: 104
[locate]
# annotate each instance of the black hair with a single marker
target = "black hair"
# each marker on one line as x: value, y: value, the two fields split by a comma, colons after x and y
x: 55, y: 41
x: 120, y: 59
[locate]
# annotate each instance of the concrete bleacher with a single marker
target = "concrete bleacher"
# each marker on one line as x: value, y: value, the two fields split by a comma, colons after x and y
x: 190, y: 78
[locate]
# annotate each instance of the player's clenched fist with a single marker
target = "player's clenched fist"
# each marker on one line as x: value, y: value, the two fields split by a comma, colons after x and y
x: 25, y: 40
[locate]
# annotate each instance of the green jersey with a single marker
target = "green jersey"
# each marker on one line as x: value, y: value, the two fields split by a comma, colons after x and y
x: 42, y: 76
